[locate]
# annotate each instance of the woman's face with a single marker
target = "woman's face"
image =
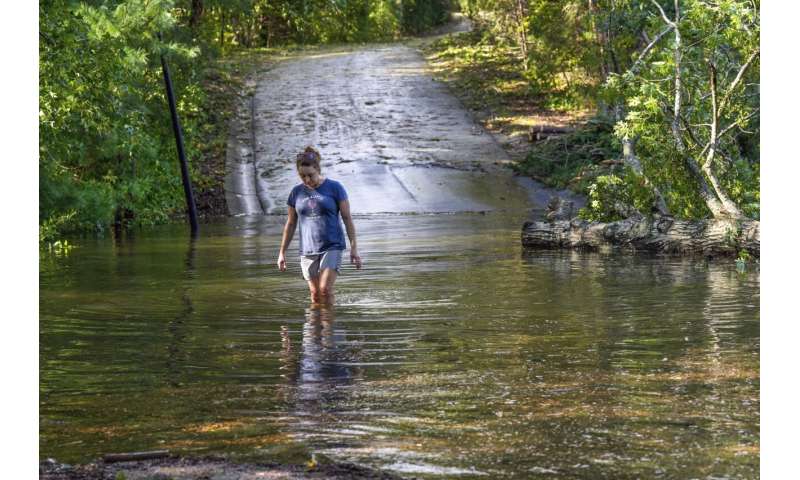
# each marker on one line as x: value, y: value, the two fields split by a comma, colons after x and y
x: 309, y: 175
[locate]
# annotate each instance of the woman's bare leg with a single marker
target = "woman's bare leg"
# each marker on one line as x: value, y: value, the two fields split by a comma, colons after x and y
x: 314, y: 289
x: 326, y: 281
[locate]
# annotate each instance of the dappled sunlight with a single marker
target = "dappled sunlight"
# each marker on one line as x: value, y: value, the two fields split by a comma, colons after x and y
x: 215, y: 427
x: 407, y: 71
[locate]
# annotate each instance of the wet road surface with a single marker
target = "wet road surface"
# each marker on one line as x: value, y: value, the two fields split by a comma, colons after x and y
x: 397, y: 139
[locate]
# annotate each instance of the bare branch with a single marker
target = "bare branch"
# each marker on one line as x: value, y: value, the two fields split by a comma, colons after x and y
x: 649, y: 47
x: 724, y: 102
x: 713, y: 81
x: 663, y: 14
x: 678, y: 88
x: 739, y: 122
x: 713, y: 136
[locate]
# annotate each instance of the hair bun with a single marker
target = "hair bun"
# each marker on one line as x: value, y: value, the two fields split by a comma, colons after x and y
x: 309, y: 156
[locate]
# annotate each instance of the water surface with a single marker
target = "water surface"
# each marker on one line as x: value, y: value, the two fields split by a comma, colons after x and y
x: 454, y: 353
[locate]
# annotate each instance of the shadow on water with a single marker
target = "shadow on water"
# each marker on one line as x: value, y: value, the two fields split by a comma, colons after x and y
x: 452, y: 353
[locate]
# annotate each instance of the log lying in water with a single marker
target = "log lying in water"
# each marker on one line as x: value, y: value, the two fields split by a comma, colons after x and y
x: 131, y: 456
x: 660, y: 234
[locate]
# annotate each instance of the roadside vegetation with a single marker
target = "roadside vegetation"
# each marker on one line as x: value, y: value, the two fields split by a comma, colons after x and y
x: 641, y: 105
x: 106, y: 147
x: 655, y: 102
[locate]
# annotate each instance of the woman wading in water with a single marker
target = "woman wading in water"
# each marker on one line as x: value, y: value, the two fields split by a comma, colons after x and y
x: 316, y: 205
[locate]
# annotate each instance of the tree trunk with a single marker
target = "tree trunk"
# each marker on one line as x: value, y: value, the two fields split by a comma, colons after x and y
x: 221, y: 28
x: 728, y: 204
x: 521, y: 13
x: 659, y: 234
x: 197, y: 13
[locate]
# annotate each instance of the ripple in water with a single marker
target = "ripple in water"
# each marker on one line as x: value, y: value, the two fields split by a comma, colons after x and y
x: 453, y: 353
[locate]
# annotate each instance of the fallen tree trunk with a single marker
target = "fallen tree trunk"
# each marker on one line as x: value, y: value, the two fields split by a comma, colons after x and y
x: 541, y: 132
x: 660, y: 234
x: 134, y: 456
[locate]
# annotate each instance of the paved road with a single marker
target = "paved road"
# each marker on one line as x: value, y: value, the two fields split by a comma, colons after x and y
x: 396, y: 138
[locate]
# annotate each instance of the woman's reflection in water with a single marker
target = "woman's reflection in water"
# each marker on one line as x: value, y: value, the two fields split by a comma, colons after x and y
x: 322, y: 373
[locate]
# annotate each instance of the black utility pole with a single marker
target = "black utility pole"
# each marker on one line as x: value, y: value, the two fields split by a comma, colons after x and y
x: 176, y: 126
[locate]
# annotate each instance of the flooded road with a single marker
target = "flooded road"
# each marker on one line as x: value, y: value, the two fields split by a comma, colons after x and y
x: 452, y: 354
x: 395, y: 137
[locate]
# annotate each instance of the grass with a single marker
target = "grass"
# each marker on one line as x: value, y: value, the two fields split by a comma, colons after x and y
x: 490, y: 79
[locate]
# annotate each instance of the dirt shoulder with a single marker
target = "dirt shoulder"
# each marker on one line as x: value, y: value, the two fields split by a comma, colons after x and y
x: 489, y: 81
x: 562, y: 148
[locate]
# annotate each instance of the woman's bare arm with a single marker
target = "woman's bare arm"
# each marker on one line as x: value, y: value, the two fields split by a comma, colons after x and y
x: 344, y: 210
x: 286, y: 239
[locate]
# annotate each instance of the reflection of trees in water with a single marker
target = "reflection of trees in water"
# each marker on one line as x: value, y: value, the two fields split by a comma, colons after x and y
x: 635, y: 310
x: 722, y: 315
x: 667, y: 349
x: 176, y: 353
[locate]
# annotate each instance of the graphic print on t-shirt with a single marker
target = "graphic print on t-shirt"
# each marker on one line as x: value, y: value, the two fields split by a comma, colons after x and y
x: 318, y: 216
x: 311, y: 206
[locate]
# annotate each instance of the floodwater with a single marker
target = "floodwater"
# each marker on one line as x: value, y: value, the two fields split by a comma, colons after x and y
x: 453, y: 354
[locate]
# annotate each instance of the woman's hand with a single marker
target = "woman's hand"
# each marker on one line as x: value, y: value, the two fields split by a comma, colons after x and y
x: 281, y: 262
x: 354, y: 258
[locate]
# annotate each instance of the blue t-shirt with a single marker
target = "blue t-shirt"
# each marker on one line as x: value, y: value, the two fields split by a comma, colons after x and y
x: 318, y: 214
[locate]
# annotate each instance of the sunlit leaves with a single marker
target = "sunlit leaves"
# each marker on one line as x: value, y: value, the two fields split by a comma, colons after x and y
x: 722, y: 36
x: 102, y: 120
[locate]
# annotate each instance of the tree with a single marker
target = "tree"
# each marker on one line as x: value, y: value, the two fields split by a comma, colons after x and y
x: 697, y: 96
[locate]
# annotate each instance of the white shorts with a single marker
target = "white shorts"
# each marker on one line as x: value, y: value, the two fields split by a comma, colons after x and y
x: 313, y: 265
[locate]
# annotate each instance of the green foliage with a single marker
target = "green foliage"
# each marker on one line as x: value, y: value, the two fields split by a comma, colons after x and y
x: 420, y: 15
x: 716, y: 41
x: 611, y: 197
x: 50, y: 228
x: 742, y: 260
x: 621, y: 58
x: 261, y: 23
x: 384, y: 21
x: 105, y: 140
